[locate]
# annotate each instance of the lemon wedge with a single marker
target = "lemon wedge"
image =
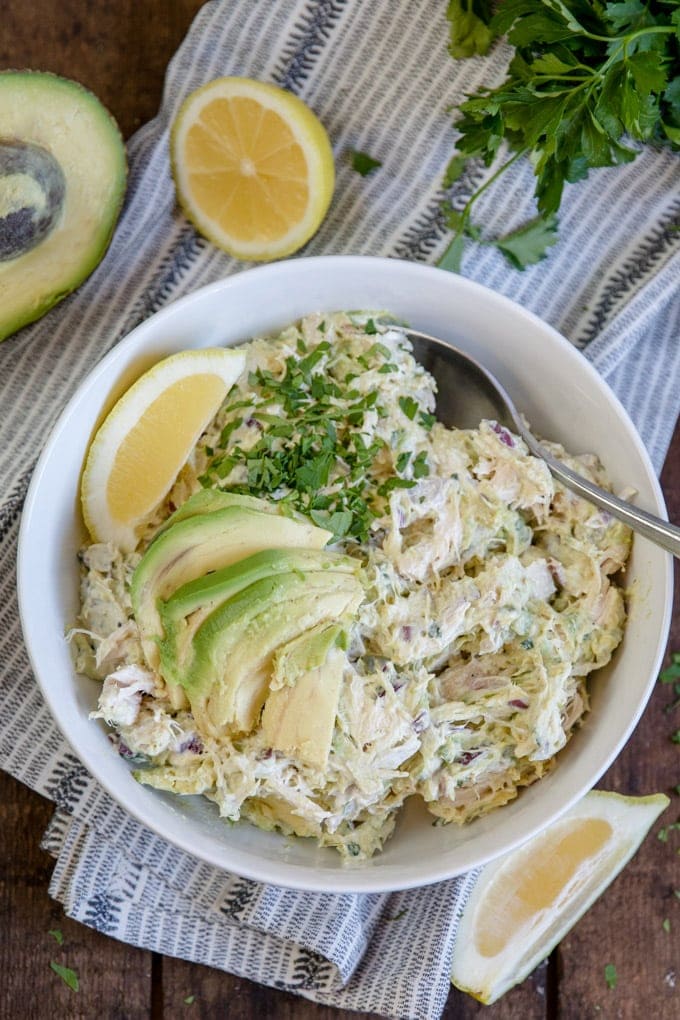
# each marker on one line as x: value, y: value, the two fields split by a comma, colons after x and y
x: 525, y: 903
x: 253, y: 167
x: 147, y: 437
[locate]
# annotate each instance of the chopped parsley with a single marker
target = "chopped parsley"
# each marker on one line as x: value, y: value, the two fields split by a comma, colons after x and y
x: 398, y: 917
x: 671, y: 675
x: 409, y: 406
x: 305, y: 437
x: 420, y: 466
x: 610, y: 975
x: 672, y: 672
x: 662, y: 834
x: 666, y: 925
x: 363, y: 163
x: 189, y: 1000
x: 68, y: 976
x: 57, y: 936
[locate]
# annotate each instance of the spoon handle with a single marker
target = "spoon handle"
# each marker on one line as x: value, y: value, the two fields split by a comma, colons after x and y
x: 654, y: 528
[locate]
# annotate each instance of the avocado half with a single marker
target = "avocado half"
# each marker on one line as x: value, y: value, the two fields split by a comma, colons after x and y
x: 62, y: 182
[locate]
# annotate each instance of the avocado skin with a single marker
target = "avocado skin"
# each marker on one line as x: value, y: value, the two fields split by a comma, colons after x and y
x: 199, y: 598
x: 228, y: 679
x: 35, y: 90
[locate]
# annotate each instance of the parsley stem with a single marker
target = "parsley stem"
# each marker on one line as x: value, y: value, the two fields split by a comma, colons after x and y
x: 651, y: 30
x: 487, y: 184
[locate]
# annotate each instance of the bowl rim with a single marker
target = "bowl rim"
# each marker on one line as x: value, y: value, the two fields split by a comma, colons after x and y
x: 292, y: 875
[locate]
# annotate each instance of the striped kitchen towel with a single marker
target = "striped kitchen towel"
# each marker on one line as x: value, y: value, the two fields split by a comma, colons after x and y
x: 379, y: 77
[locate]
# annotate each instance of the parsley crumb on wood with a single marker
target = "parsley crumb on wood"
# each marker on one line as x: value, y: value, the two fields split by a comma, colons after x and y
x: 663, y: 833
x: 588, y: 84
x: 610, y: 975
x: 68, y: 976
x: 56, y: 935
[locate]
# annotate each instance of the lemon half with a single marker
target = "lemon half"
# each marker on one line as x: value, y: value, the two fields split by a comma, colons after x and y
x: 525, y: 903
x: 147, y: 437
x: 253, y: 167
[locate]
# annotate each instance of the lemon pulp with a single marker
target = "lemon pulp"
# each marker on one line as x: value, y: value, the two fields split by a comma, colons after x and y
x: 147, y: 437
x: 162, y: 437
x: 523, y: 904
x: 520, y: 895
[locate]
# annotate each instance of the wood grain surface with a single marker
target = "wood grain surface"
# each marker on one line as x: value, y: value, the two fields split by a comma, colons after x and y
x: 120, y: 50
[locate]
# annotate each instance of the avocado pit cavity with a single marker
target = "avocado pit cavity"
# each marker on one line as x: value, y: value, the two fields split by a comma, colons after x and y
x: 32, y: 192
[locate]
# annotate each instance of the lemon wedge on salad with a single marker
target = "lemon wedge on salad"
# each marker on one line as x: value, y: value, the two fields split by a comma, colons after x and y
x: 253, y: 167
x: 525, y: 902
x: 147, y: 437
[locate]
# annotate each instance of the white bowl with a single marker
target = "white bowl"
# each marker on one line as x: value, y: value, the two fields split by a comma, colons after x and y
x: 564, y: 399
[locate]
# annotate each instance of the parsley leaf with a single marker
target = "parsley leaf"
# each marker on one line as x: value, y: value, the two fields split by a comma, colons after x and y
x: 469, y: 32
x: 529, y: 244
x: 68, y: 976
x: 363, y: 163
x: 610, y: 975
x: 452, y: 257
x: 584, y: 76
x: 57, y: 935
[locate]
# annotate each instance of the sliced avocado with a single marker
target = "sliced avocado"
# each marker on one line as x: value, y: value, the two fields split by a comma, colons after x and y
x: 274, y: 812
x: 194, y: 546
x: 303, y: 653
x: 206, y: 501
x: 185, y: 611
x: 229, y: 675
x: 62, y: 181
x: 299, y: 718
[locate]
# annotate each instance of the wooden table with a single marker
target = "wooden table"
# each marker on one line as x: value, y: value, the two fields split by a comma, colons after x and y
x: 120, y: 50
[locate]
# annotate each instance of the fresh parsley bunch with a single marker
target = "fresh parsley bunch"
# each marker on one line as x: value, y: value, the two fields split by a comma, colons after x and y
x: 588, y: 81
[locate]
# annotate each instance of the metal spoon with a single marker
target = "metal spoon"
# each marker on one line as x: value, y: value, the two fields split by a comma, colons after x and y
x: 473, y: 393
